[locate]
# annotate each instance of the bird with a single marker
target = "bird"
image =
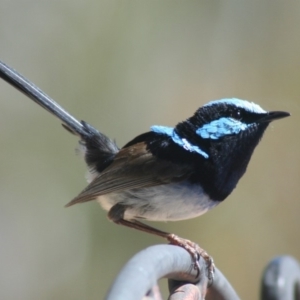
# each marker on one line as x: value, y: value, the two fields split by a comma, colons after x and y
x: 167, y: 173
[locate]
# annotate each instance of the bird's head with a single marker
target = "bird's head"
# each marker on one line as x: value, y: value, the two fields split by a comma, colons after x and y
x: 233, y: 122
x: 227, y: 132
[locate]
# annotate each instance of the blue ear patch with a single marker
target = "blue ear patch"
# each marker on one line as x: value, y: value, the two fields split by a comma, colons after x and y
x: 221, y: 127
x: 182, y: 142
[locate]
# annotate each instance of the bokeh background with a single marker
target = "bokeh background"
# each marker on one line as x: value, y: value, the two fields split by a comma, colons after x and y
x: 124, y: 66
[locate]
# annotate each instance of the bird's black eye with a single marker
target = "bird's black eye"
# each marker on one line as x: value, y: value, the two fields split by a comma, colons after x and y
x: 236, y: 114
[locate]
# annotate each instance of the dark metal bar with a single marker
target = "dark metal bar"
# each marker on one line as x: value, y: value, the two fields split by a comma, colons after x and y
x: 281, y: 279
x: 142, y: 272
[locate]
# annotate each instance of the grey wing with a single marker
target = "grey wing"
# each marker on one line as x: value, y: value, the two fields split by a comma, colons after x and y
x: 133, y: 167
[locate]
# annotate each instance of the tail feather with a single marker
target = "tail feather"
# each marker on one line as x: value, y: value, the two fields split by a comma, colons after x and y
x: 100, y: 150
x: 19, y: 82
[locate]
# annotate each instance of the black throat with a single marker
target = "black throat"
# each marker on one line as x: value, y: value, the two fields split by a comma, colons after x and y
x: 228, y: 158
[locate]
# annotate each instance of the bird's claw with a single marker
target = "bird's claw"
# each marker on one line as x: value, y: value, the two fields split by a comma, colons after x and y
x: 195, y: 251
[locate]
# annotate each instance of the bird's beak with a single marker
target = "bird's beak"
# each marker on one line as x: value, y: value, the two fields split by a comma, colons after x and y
x: 273, y: 115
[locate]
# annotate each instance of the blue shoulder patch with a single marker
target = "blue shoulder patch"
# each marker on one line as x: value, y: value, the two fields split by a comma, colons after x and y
x: 162, y: 129
x: 249, y: 106
x: 221, y: 127
x: 184, y: 143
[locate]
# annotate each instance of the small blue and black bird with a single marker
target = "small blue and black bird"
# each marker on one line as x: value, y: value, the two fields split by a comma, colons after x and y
x: 166, y: 174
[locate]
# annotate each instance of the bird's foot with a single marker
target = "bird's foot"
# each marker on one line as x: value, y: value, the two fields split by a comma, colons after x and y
x: 196, y: 251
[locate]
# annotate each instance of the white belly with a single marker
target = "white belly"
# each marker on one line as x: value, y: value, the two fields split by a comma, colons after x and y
x: 170, y: 202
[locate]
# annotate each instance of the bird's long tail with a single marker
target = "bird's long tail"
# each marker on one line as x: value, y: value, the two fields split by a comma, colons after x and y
x: 99, y: 147
x: 38, y: 96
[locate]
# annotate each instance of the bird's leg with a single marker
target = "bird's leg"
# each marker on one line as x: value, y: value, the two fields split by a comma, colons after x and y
x: 116, y: 214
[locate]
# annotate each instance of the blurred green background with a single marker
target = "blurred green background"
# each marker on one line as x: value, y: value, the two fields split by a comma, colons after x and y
x: 124, y: 66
